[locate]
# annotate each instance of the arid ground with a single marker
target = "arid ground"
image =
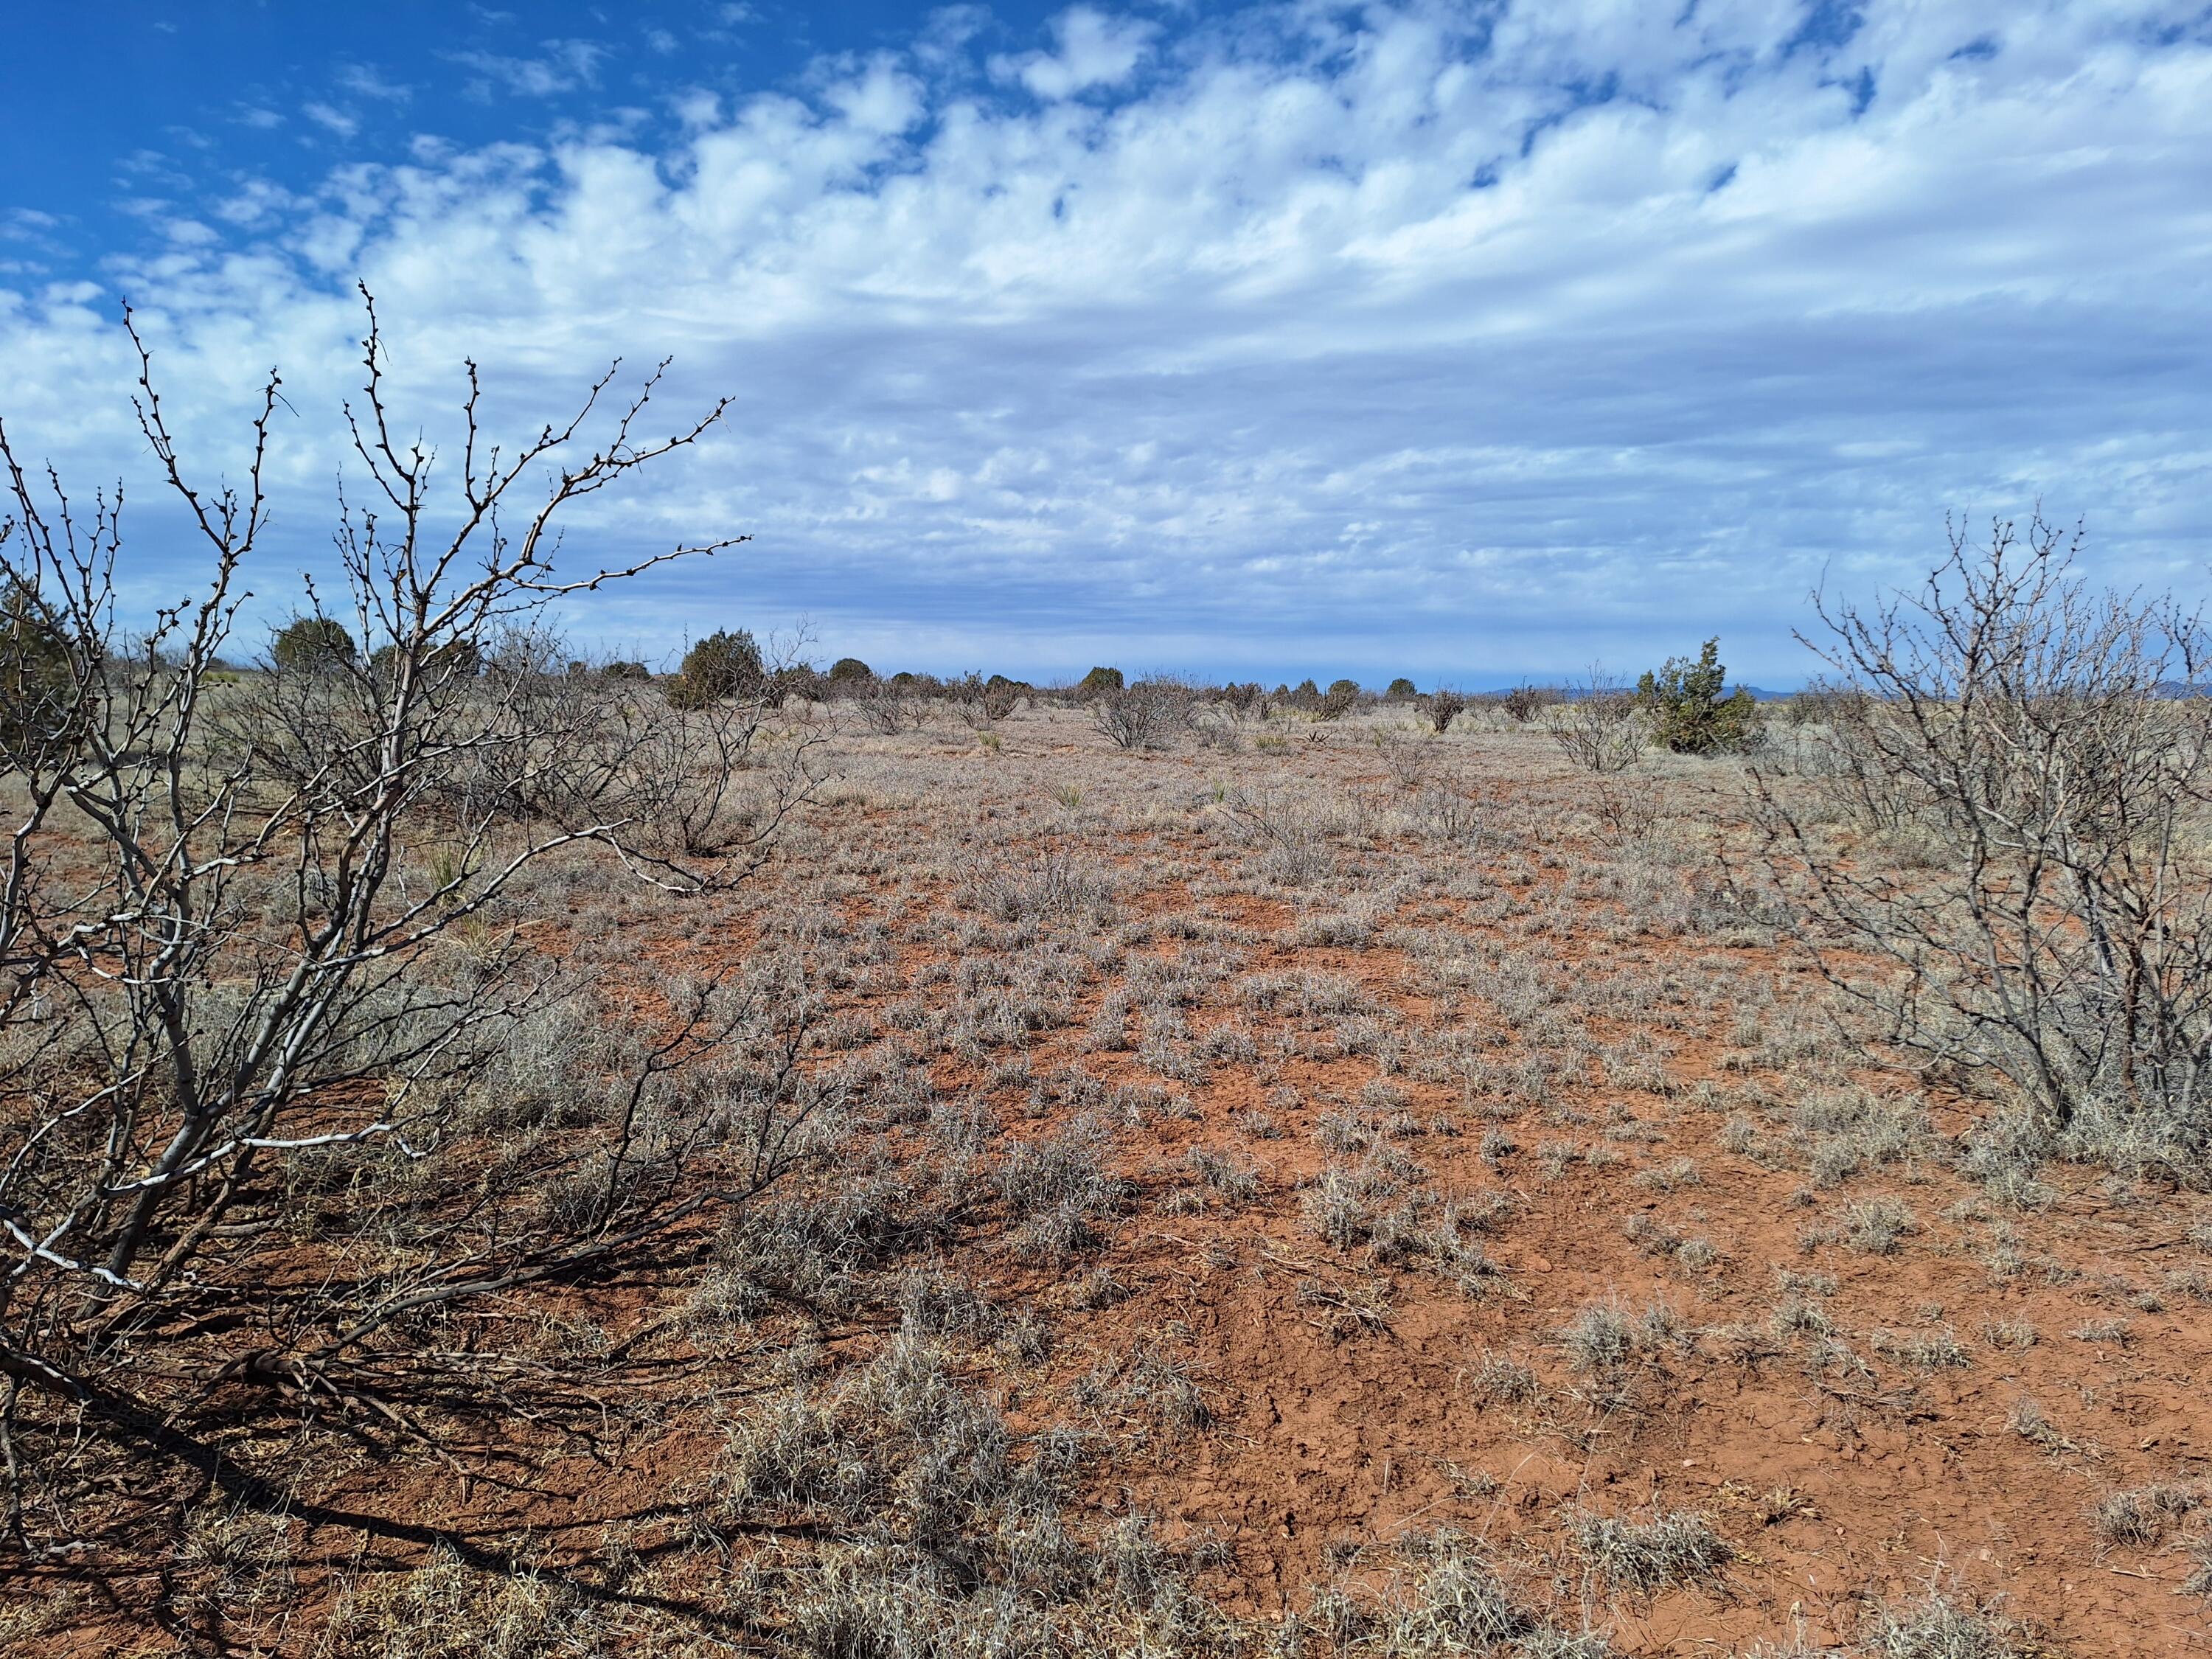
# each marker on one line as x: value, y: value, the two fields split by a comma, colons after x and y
x: 1326, y: 1188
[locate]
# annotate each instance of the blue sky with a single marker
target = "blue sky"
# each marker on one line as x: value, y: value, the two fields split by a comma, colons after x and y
x: 1465, y: 341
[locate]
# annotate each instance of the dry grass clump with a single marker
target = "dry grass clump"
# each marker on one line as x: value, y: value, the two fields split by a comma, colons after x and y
x: 1603, y: 1337
x: 1672, y: 1548
x: 1059, y: 1191
x: 448, y: 1610
x: 1449, y: 1601
x: 947, y: 1523
x: 1938, y: 1628
x: 2144, y: 1515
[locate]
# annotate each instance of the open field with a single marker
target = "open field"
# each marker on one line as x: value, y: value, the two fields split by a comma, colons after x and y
x: 1328, y: 1189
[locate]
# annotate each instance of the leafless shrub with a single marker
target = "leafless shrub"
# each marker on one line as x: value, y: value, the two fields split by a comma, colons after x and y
x: 984, y: 702
x: 1291, y: 832
x: 1522, y: 703
x: 1148, y: 714
x: 1629, y: 811
x: 1442, y: 708
x: 1408, y: 762
x: 889, y: 707
x: 2048, y: 748
x: 1600, y: 726
x: 1450, y: 814
x: 234, y: 974
x: 1246, y: 704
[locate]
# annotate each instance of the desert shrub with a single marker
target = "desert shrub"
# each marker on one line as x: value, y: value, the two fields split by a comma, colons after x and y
x: 1689, y: 715
x: 244, y: 994
x: 1245, y: 703
x: 1406, y: 761
x: 1146, y: 716
x: 722, y: 666
x: 1603, y: 1338
x: 1599, y: 725
x: 1401, y: 691
x: 794, y: 683
x: 446, y: 1609
x: 848, y: 670
x: 1059, y: 1190
x: 1522, y: 703
x: 462, y: 660
x: 1876, y: 1226
x: 2047, y: 752
x: 313, y: 645
x: 1823, y: 702
x: 1599, y: 1337
x: 900, y: 703
x: 1050, y: 884
x: 1293, y: 836
x: 2143, y: 1514
x: 1502, y: 1380
x: 1453, y: 1603
x: 1098, y: 681
x: 983, y: 704
x: 1443, y: 708
x: 1339, y: 700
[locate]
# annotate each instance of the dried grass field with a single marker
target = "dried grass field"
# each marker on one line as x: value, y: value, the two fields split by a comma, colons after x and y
x: 1329, y: 1188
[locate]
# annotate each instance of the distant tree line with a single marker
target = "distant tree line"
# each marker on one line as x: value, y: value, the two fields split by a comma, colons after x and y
x: 1683, y: 706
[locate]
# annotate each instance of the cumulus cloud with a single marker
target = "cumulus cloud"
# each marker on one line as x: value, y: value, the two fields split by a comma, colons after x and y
x: 1433, y: 339
x: 1094, y: 51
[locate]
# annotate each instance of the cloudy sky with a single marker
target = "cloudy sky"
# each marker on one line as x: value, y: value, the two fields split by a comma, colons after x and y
x: 1464, y: 341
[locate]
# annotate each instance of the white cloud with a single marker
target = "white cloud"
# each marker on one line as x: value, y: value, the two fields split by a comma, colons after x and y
x: 1322, y: 347
x: 363, y: 81
x: 1095, y: 50
x: 330, y: 117
x: 560, y: 66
